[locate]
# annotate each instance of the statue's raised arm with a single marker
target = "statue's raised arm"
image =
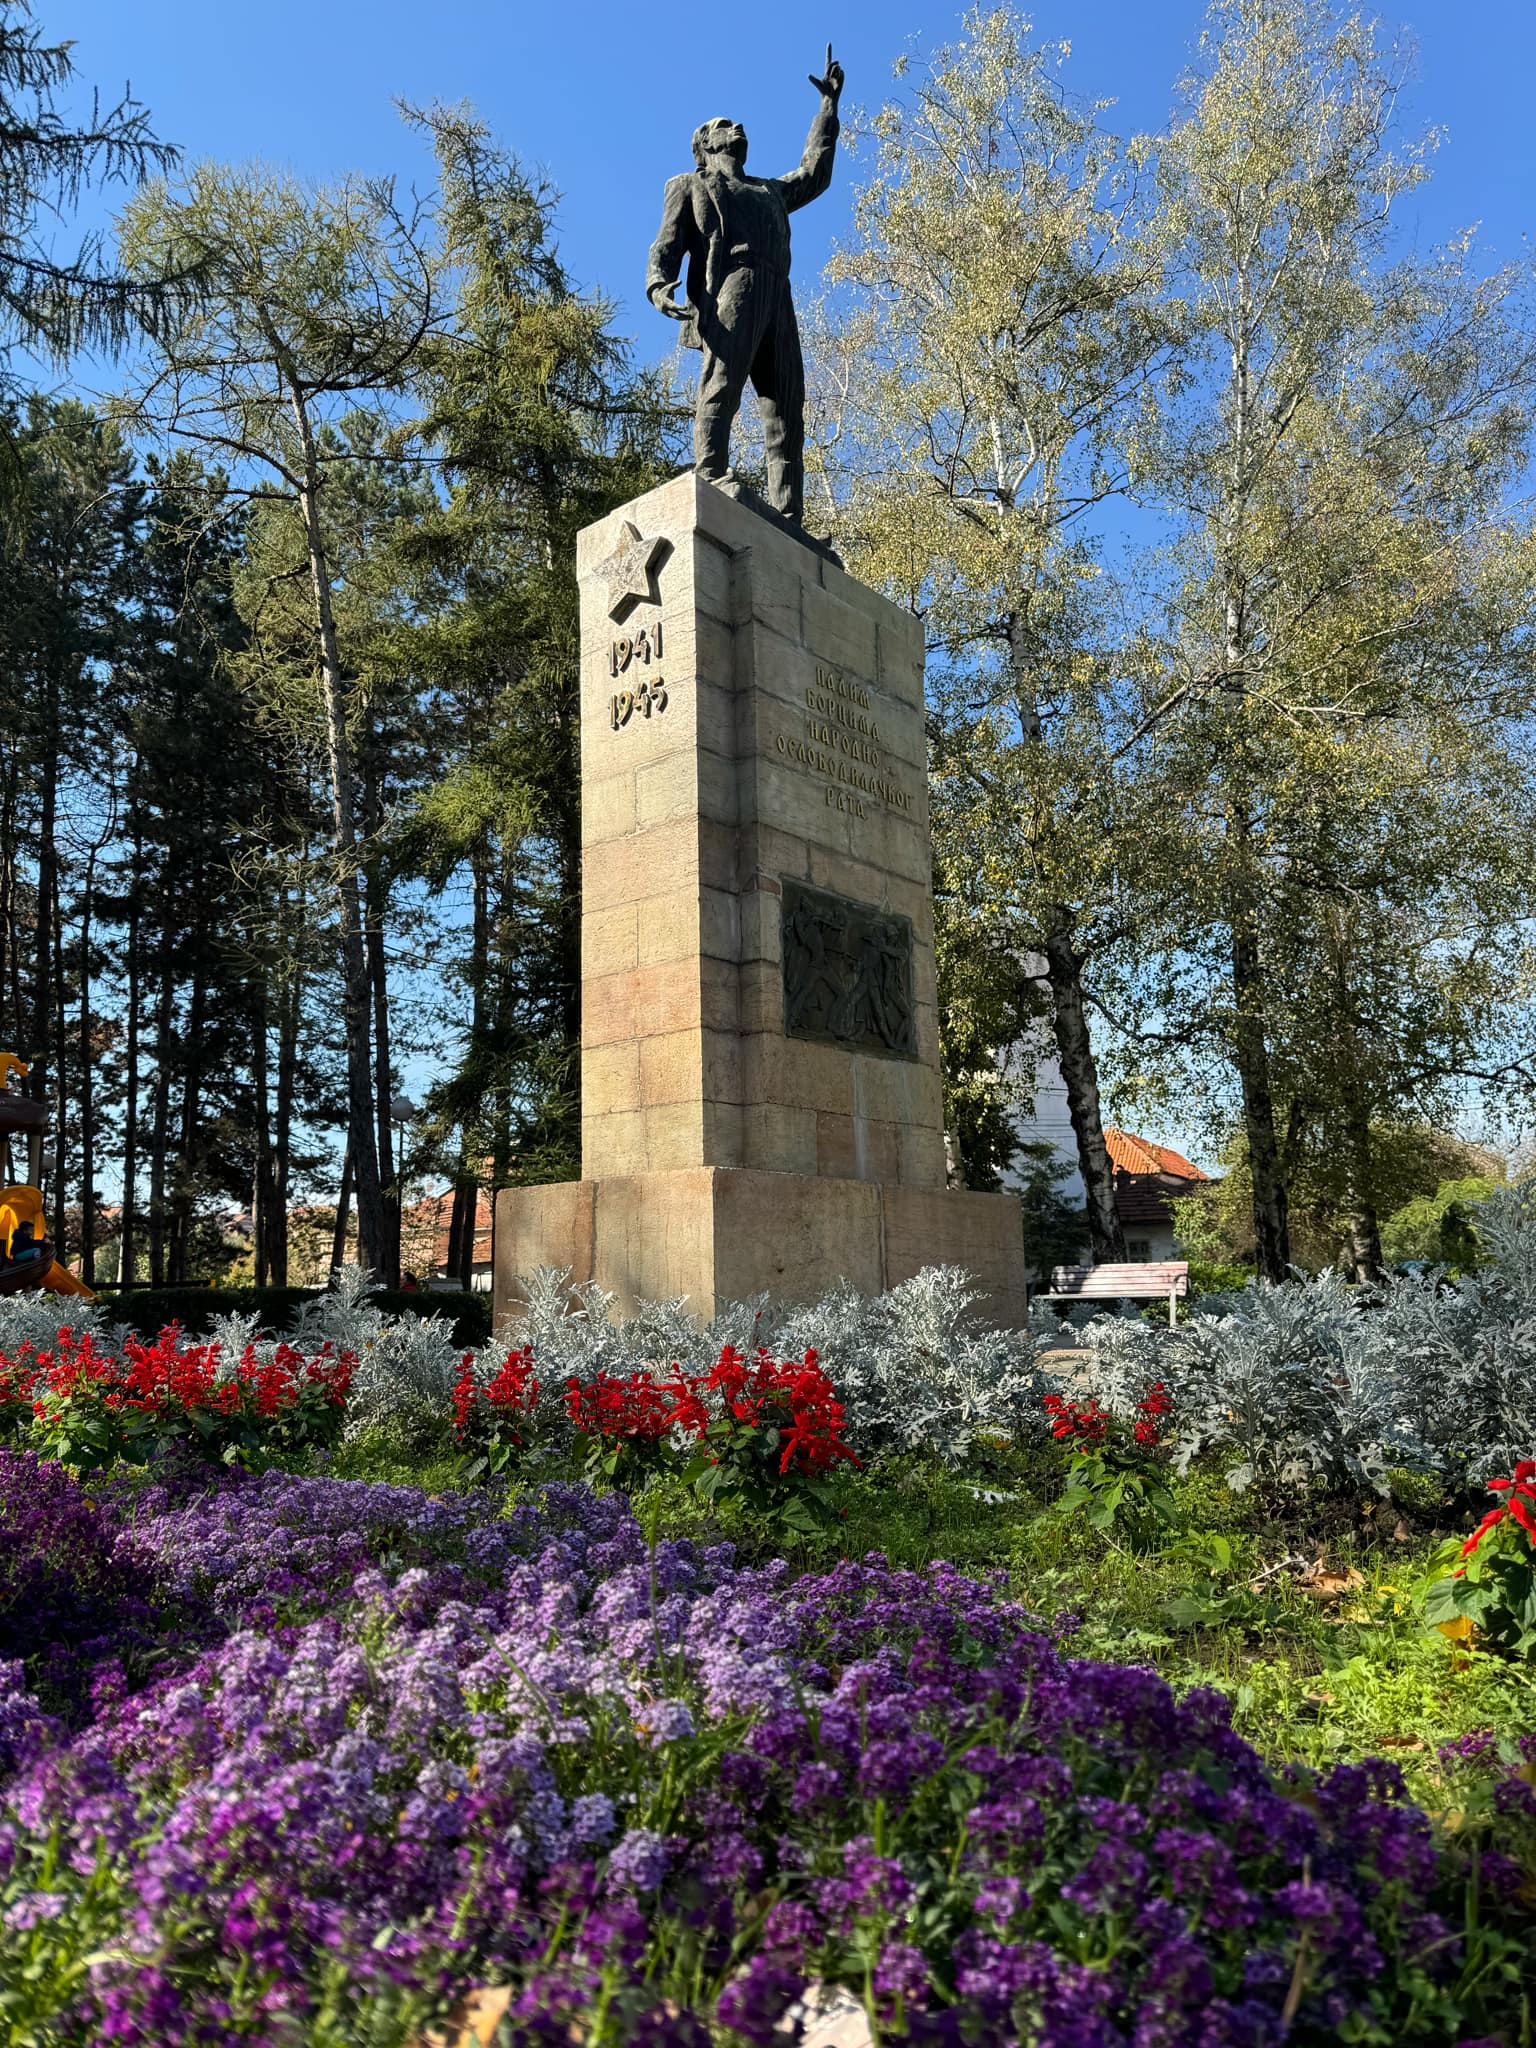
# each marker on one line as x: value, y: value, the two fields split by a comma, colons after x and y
x: 724, y: 237
x: 814, y: 173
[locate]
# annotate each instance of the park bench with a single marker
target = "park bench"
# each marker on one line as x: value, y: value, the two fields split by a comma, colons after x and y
x: 1147, y: 1280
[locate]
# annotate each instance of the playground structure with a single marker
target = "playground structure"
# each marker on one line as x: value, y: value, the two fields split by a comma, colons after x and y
x: 27, y: 1258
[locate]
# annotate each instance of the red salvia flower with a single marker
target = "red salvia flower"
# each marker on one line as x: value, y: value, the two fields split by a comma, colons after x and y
x: 1519, y: 1506
x: 1150, y: 1410
x: 1080, y: 1422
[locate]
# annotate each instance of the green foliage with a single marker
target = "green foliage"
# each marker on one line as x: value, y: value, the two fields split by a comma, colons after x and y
x: 1411, y: 1166
x: 46, y: 164
x: 1206, y: 1276
x: 1439, y: 1229
x: 737, y: 1467
x: 1055, y: 1229
x: 1119, y: 1495
x: 469, y: 1315
x: 541, y: 426
x: 1490, y: 1578
x: 1494, y: 1590
x: 987, y: 335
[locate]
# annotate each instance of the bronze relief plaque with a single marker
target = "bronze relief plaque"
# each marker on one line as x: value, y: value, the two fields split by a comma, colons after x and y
x: 847, y: 973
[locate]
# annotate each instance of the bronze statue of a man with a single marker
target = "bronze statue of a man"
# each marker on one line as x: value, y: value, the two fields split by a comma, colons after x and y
x: 731, y: 234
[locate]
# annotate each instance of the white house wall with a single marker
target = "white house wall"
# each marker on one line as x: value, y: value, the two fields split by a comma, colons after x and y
x: 1048, y: 1119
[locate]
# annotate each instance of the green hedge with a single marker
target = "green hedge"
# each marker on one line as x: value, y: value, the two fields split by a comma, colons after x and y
x: 148, y: 1309
x: 471, y: 1313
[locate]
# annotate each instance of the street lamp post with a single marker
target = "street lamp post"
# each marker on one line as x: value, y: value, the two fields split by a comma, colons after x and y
x: 402, y: 1113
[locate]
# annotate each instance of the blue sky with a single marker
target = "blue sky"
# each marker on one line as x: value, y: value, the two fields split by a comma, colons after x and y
x: 604, y: 94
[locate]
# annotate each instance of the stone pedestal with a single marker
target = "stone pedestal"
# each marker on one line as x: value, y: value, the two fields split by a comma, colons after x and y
x: 761, y: 1099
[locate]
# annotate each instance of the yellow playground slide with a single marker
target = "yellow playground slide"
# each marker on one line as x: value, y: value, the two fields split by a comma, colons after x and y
x: 26, y: 1256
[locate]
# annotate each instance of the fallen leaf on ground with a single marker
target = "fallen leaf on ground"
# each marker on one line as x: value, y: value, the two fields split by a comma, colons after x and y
x: 472, y: 2022
x: 830, y: 2019
x: 1324, y: 1584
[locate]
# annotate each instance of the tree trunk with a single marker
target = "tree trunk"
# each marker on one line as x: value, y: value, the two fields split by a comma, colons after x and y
x: 1362, y: 1257
x: 375, y: 897
x: 161, y: 1126
x: 473, y: 1164
x: 61, y: 1103
x: 13, y: 1030
x: 43, y: 930
x: 189, y: 1149
x: 343, y: 1213
x: 287, y: 1087
x: 1271, y: 1223
x: 1074, y: 1052
x: 127, y: 1256
x: 1271, y: 1218
x: 461, y: 1228
x: 372, y: 1238
x: 261, y: 1177
x: 87, y: 1090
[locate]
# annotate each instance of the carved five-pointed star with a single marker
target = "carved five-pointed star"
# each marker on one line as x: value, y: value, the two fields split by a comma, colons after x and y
x: 629, y: 568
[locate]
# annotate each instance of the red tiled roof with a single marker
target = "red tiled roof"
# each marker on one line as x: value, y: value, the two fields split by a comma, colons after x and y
x: 435, y: 1214
x: 1140, y: 1155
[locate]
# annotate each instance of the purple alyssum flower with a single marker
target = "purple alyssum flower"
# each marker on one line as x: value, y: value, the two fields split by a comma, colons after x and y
x: 429, y: 1742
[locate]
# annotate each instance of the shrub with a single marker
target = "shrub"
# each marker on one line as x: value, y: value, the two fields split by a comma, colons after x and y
x: 1318, y: 1382
x: 917, y: 1368
x: 147, y: 1310
x: 407, y: 1366
x: 1113, y: 1481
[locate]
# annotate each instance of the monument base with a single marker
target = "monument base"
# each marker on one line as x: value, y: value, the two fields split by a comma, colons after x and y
x: 722, y: 1233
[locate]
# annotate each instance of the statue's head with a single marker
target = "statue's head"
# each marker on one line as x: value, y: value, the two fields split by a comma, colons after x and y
x: 720, y: 137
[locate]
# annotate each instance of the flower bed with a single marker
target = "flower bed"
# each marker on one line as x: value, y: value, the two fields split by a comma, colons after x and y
x: 93, y: 1405
x: 407, y: 1744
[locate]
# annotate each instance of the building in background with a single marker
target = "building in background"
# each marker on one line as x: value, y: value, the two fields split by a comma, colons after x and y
x: 425, y: 1229
x: 1148, y: 1177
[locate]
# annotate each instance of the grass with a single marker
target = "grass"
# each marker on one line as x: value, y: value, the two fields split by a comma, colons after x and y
x: 1312, y: 1681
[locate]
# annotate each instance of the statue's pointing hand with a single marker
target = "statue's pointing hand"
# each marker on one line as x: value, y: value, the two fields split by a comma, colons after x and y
x: 831, y: 86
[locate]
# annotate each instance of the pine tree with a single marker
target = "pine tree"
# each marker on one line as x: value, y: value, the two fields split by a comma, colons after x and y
x: 56, y: 307
x: 315, y: 305
x: 541, y: 428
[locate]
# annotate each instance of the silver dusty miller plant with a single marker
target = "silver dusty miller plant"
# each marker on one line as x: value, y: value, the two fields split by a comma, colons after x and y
x: 1311, y: 1381
x: 919, y: 1368
x: 406, y: 1365
x: 1291, y: 1379
x: 1465, y: 1355
x: 914, y: 1368
x: 1317, y: 1380
x: 37, y: 1319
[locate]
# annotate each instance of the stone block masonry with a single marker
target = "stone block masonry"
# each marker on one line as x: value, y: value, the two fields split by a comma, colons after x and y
x: 761, y: 1099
